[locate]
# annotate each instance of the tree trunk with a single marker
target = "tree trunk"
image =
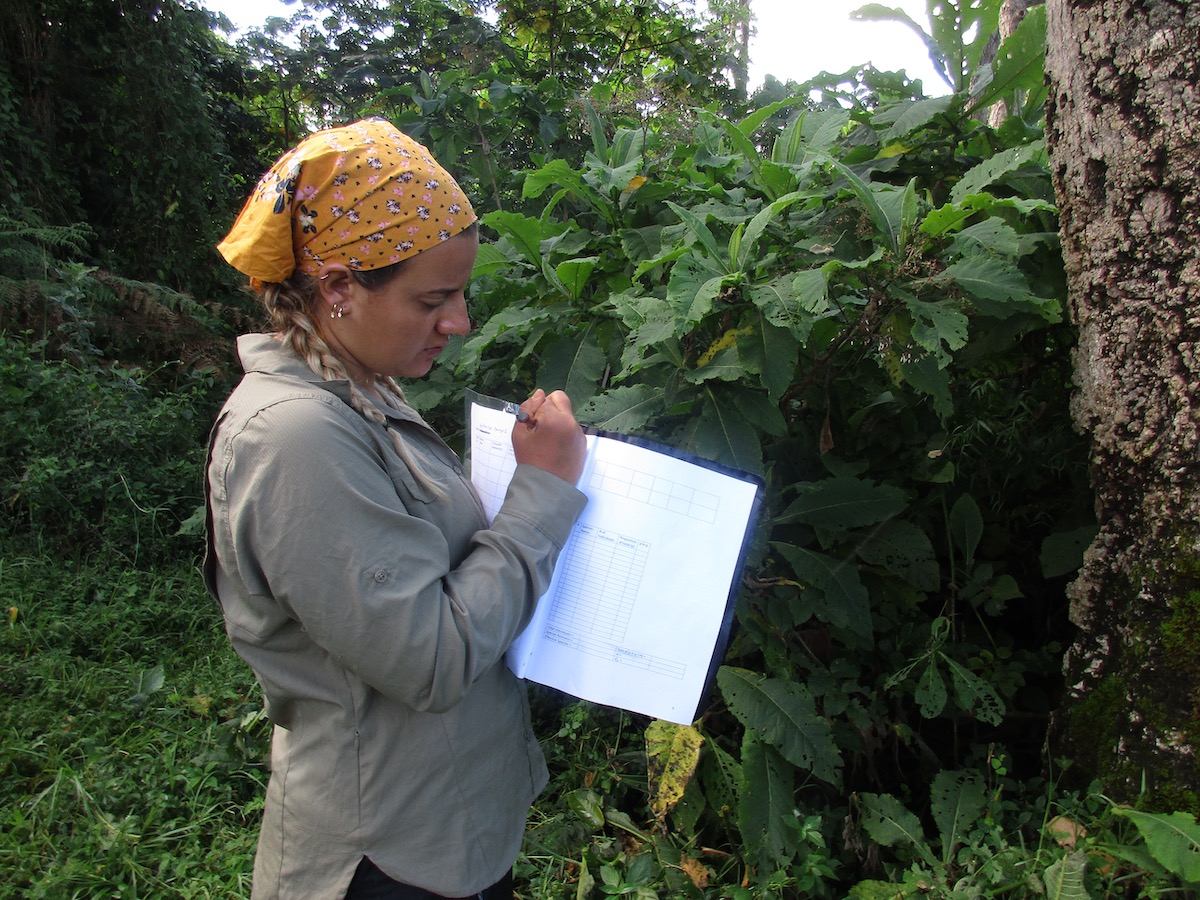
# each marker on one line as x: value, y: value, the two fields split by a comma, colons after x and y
x: 1124, y: 141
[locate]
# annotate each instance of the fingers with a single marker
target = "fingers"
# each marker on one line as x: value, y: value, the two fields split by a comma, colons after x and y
x: 550, y: 438
x: 531, y: 406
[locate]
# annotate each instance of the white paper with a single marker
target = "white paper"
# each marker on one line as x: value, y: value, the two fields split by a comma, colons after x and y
x: 638, y: 598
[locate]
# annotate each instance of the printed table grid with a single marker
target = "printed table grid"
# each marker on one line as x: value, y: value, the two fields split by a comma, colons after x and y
x: 655, y: 491
x: 598, y: 586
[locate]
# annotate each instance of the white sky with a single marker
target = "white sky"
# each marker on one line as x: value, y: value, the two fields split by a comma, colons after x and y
x: 796, y: 39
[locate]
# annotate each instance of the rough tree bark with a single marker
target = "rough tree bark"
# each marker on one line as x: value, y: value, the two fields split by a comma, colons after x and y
x: 1124, y: 134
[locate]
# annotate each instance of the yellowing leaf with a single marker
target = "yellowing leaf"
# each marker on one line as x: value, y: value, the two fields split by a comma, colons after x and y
x: 1066, y: 833
x: 896, y: 148
x: 695, y: 870
x: 673, y: 752
x: 634, y: 183
x: 727, y: 340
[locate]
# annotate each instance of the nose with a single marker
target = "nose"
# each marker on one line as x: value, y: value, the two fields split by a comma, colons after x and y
x: 456, y: 319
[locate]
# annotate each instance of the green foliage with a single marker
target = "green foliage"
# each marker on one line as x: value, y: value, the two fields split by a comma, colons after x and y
x: 91, y: 92
x: 1081, y: 849
x: 96, y: 458
x: 958, y: 35
x: 133, y: 739
x: 863, y: 305
x: 856, y: 293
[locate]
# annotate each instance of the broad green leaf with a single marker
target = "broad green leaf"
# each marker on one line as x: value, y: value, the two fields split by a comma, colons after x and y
x: 885, y: 227
x: 992, y: 235
x: 918, y: 114
x: 958, y: 802
x: 721, y: 776
x: 489, y: 261
x: 627, y: 147
x: 846, y: 601
x: 749, y: 152
x: 903, y: 549
x: 1062, y: 552
x: 661, y: 259
x: 951, y: 216
x: 588, y: 806
x: 1065, y: 879
x: 1172, y: 838
x: 812, y: 289
x: 596, y: 129
x: 1020, y: 62
x: 771, y: 353
x: 641, y: 244
x: 672, y: 753
x: 966, y: 527
x: 607, y: 179
x: 784, y: 714
x: 756, y: 408
x: 780, y: 308
x: 789, y: 146
x: 759, y: 224
x: 702, y: 233
x: 702, y: 302
x: 722, y: 434
x: 624, y: 409
x: 824, y: 127
x: 889, y: 823
x: 844, y: 503
x: 932, y: 380
x: 754, y: 121
x: 987, y: 277
x: 909, y: 208
x: 522, y: 232
x: 574, y: 274
x: 996, y: 167
x: 148, y: 682
x: 973, y: 694
x: 937, y: 327
x: 930, y: 692
x: 575, y: 364
x: 494, y: 329
x: 691, y: 290
x: 558, y: 172
x: 766, y: 800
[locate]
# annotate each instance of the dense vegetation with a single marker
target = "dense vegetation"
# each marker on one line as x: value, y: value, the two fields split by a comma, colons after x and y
x: 847, y: 287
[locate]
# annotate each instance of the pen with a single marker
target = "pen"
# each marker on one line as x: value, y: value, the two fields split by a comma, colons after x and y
x: 521, y: 415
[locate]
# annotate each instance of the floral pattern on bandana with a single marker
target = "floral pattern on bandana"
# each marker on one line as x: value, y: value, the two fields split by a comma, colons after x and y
x: 365, y: 195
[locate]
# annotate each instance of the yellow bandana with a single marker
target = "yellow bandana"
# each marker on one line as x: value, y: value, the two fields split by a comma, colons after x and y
x: 366, y: 195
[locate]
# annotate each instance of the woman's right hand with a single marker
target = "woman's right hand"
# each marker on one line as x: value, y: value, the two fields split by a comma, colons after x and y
x: 550, y: 438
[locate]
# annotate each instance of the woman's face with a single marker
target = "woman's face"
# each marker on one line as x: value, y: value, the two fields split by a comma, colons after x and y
x: 400, y: 328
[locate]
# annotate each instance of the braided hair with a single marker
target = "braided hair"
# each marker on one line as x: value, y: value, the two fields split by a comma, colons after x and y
x: 289, y: 305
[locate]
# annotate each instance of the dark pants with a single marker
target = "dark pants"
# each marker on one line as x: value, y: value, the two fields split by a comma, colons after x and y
x: 371, y: 884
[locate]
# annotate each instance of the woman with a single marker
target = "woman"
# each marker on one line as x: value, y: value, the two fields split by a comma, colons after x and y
x: 350, y: 555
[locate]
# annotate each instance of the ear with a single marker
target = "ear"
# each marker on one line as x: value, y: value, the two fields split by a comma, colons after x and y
x: 335, y: 286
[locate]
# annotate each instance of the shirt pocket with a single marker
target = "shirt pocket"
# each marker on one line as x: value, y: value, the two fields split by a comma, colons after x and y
x: 401, y: 462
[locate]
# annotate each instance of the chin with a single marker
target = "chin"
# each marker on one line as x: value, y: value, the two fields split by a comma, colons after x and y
x: 416, y: 370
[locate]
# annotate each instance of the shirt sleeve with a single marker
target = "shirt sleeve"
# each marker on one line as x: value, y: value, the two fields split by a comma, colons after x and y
x: 328, y: 554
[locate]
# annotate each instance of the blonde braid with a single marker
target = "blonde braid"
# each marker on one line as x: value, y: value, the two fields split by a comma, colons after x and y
x: 288, y: 306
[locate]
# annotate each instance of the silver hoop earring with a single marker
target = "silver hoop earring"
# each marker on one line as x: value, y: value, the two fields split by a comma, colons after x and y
x: 337, y: 312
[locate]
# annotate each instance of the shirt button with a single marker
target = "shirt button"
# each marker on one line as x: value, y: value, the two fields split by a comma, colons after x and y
x: 381, y: 576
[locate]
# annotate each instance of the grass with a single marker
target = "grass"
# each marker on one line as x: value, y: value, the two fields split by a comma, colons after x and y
x: 131, y: 743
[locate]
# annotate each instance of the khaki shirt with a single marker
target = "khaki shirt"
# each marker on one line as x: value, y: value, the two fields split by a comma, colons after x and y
x: 375, y: 615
